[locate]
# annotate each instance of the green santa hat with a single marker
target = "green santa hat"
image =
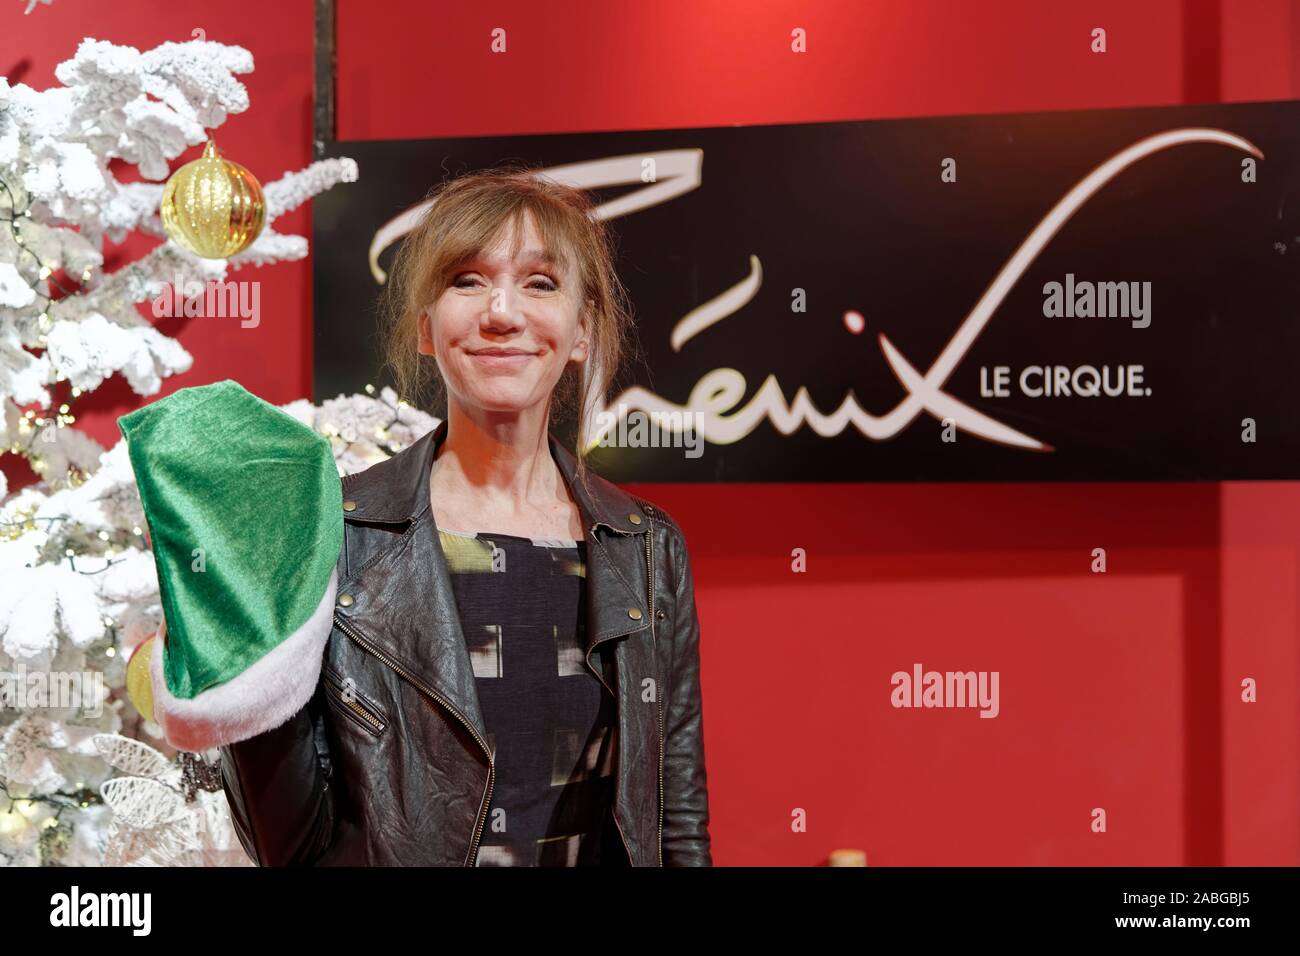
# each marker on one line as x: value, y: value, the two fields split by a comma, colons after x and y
x: 243, y: 504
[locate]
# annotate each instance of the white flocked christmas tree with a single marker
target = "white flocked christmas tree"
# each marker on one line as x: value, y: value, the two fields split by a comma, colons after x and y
x: 94, y: 783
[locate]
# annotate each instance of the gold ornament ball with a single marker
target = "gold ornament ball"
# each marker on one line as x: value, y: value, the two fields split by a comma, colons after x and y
x: 139, y: 689
x: 213, y: 206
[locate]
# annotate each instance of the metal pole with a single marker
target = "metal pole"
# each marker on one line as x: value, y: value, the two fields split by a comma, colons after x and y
x: 324, y: 78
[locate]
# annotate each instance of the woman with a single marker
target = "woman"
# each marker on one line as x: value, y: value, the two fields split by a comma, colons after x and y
x: 512, y: 677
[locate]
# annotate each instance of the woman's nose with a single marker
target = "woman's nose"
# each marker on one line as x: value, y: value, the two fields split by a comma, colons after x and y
x: 502, y: 306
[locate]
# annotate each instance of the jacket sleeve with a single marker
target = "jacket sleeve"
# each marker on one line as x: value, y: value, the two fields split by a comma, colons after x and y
x: 278, y: 785
x: 686, y: 800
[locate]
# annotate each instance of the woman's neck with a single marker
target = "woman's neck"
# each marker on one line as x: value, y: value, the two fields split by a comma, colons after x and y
x: 497, y: 473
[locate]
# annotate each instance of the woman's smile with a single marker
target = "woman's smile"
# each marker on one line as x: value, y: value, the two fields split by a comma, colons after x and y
x: 502, y: 358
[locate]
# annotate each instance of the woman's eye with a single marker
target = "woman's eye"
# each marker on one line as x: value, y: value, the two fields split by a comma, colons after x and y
x: 545, y: 283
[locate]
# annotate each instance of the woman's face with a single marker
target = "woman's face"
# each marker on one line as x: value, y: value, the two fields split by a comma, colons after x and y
x: 503, y: 331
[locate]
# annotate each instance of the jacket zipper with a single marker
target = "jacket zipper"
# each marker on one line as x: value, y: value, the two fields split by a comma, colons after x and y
x: 613, y: 810
x: 426, y: 689
x: 373, y: 723
x: 650, y: 588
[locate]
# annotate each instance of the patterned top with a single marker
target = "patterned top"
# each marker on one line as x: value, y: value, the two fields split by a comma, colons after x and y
x: 552, y: 725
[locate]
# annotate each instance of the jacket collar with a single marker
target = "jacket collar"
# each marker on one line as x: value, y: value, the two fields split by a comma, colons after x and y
x: 397, y: 489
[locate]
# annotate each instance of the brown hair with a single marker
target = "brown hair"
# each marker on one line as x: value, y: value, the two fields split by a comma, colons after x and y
x: 466, y: 215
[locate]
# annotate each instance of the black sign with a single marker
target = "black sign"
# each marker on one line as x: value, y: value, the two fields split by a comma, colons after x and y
x: 1095, y: 295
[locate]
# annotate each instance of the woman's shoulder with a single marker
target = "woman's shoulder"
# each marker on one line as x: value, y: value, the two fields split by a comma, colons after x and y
x: 673, y: 536
x: 655, y: 512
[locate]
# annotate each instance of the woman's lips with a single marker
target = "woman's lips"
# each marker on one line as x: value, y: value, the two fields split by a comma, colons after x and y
x: 513, y: 360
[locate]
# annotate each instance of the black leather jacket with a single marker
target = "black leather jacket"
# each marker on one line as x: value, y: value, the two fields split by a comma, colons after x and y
x: 388, y: 764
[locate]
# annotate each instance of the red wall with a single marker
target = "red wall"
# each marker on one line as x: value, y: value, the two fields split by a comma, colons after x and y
x: 1118, y: 691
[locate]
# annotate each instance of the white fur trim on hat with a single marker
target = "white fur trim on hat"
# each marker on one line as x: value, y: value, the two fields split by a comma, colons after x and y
x: 263, y: 697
